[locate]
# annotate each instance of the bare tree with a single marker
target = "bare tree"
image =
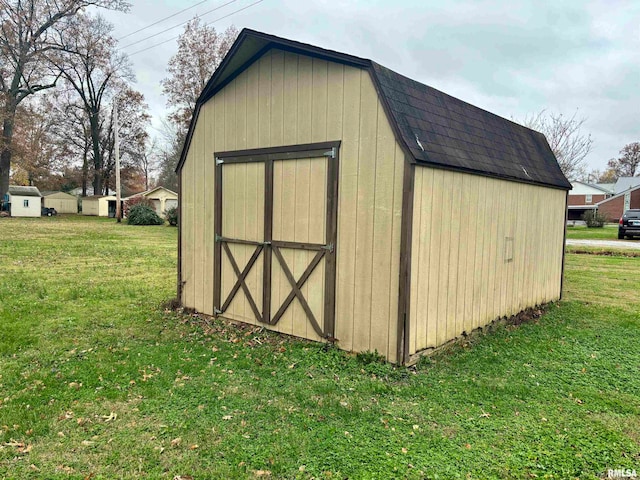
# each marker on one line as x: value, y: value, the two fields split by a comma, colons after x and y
x: 26, y: 42
x: 35, y: 151
x: 149, y: 162
x: 168, y: 156
x: 568, y: 143
x: 91, y: 65
x: 200, y: 50
x: 629, y: 161
x: 72, y: 133
x: 133, y: 120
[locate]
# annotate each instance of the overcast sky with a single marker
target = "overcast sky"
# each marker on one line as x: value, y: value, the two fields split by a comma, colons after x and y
x: 513, y: 58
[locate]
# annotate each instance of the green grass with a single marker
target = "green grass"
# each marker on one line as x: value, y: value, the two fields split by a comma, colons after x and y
x: 97, y: 380
x: 581, y: 232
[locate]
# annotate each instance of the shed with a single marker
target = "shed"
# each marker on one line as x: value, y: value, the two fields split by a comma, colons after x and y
x: 61, y: 201
x: 325, y: 196
x: 162, y: 198
x: 24, y: 201
x: 99, y: 205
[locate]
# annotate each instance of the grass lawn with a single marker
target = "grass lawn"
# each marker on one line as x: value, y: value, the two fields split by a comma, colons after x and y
x: 98, y: 381
x: 581, y: 232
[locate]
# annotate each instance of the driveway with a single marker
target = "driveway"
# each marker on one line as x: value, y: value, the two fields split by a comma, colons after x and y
x: 631, y: 244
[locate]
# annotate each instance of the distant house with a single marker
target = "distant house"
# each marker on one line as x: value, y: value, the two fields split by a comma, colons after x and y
x: 162, y: 199
x: 613, y: 207
x: 99, y: 205
x: 24, y: 201
x: 625, y: 183
x: 583, y: 197
x: 62, y: 202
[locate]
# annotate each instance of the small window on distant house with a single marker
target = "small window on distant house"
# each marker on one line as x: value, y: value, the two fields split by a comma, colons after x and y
x: 25, y: 203
x: 588, y: 198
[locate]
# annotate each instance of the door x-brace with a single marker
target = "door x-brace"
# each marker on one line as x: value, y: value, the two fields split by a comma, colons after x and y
x: 296, y: 286
x: 240, y: 282
x: 296, y: 292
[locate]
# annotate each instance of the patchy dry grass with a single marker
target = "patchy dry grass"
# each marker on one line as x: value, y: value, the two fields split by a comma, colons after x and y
x: 98, y: 381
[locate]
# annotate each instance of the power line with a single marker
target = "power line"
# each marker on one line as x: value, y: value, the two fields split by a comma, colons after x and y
x: 162, y: 20
x: 207, y: 24
x: 178, y: 25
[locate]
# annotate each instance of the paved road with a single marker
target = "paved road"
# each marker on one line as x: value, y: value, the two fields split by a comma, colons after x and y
x: 632, y: 244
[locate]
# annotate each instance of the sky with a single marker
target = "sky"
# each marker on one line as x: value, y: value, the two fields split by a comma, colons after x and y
x: 513, y: 58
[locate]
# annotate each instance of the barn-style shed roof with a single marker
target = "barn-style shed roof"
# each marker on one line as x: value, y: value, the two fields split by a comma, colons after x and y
x: 433, y: 128
x: 24, y: 191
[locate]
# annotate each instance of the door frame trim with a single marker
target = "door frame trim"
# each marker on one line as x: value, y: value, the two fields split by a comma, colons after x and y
x: 331, y: 150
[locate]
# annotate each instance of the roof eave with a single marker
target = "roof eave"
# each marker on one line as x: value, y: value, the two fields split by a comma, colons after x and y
x: 264, y: 42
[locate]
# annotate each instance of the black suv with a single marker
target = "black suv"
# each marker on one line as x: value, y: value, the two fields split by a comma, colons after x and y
x: 629, y: 224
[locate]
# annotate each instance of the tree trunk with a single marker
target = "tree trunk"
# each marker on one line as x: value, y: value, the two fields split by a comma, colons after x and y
x: 5, y: 145
x: 97, y: 154
x: 85, y: 172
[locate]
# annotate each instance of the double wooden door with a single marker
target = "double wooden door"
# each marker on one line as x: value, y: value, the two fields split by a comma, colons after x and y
x: 275, y: 225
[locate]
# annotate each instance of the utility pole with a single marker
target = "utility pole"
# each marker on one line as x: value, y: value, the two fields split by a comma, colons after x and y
x: 117, y: 149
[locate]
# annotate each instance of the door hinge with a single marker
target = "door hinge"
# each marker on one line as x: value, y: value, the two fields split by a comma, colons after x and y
x: 219, y: 161
x: 217, y: 311
x: 328, y: 247
x: 330, y: 153
x: 217, y: 239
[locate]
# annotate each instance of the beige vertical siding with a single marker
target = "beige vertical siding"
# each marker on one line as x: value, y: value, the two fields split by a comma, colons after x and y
x: 62, y: 202
x: 465, y: 229
x: 286, y: 99
x: 243, y: 218
x: 299, y: 195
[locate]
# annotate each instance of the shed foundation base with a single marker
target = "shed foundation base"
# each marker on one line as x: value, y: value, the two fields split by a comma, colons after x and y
x: 524, y: 316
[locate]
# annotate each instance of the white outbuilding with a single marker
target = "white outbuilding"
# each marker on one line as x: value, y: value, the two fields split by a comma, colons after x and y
x: 24, y: 201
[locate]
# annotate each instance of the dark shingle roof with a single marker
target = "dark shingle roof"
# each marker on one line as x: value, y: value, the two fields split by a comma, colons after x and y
x: 443, y: 131
x: 24, y: 191
x: 433, y: 127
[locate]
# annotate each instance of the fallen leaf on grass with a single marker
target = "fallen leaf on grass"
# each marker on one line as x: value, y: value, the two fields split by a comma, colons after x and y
x: 176, y: 441
x: 193, y: 447
x: 88, y: 443
x: 111, y: 417
x: 183, y: 477
x: 13, y: 443
x: 262, y: 473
